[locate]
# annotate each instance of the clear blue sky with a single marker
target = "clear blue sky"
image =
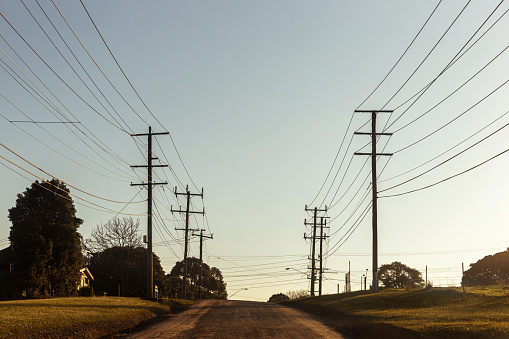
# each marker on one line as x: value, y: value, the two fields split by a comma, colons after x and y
x: 257, y: 97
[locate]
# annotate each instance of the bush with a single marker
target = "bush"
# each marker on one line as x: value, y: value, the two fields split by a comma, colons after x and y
x: 297, y: 294
x: 86, y: 292
x: 278, y: 297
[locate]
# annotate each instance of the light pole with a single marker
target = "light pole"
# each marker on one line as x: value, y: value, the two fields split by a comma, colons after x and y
x: 291, y: 268
x: 242, y: 289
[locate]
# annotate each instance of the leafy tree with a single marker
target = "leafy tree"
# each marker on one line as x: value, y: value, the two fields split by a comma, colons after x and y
x: 213, y: 286
x: 398, y: 275
x: 46, y: 243
x: 112, y: 272
x: 490, y: 270
x: 278, y: 297
x: 297, y: 294
x: 118, y: 259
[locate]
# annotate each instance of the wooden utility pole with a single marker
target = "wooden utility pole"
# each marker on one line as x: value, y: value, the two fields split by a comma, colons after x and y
x: 426, y: 284
x: 150, y: 184
x: 313, y: 243
x: 323, y: 224
x: 201, y: 235
x: 374, y: 155
x: 188, y: 194
x: 463, y: 277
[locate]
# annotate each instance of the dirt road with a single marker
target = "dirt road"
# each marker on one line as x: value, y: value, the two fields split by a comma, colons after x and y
x: 238, y: 319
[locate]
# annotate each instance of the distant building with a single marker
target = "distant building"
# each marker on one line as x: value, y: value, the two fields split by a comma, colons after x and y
x: 5, y: 272
x: 87, y: 278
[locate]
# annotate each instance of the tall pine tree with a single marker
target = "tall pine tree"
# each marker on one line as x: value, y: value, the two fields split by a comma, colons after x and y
x: 46, y: 244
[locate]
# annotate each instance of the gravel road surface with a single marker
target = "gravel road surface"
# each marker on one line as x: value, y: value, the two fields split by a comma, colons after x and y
x: 238, y: 319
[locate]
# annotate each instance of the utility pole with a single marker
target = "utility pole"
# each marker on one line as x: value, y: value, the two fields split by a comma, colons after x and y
x: 323, y: 224
x: 201, y: 235
x: 150, y: 184
x: 188, y: 194
x: 313, y: 243
x: 374, y: 155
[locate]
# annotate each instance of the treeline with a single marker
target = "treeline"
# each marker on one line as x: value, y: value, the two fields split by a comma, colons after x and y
x: 48, y: 252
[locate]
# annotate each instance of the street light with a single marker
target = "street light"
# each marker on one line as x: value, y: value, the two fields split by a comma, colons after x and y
x: 291, y: 268
x: 242, y: 289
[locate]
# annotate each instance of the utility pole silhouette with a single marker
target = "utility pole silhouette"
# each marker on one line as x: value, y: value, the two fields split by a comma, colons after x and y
x: 187, y: 229
x: 323, y: 224
x: 313, y: 243
x: 150, y: 184
x: 201, y: 235
x: 374, y: 155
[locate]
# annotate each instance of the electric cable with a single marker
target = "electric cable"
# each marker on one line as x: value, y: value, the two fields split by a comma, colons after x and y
x: 448, y: 150
x: 448, y: 178
x: 457, y: 117
x: 137, y: 94
x: 451, y: 94
x: 449, y: 65
x: 401, y: 57
x: 427, y: 55
x: 107, y: 210
x: 80, y: 190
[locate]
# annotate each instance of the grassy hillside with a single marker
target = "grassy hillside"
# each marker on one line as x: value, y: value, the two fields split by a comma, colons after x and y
x: 74, y: 317
x: 435, y: 313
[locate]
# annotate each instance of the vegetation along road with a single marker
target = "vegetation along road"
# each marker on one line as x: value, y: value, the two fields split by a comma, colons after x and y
x: 238, y: 319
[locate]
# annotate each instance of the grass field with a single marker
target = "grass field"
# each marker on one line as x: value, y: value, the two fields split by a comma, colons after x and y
x: 74, y: 317
x: 435, y: 313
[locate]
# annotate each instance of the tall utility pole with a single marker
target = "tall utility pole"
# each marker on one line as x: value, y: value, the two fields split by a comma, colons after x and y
x: 150, y: 184
x: 323, y: 224
x: 201, y: 235
x: 374, y: 155
x: 188, y: 194
x: 313, y: 243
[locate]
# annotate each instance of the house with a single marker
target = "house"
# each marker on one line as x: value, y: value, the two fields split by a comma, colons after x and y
x: 5, y: 272
x: 87, y: 278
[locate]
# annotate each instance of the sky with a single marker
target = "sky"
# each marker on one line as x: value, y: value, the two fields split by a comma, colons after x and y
x: 259, y: 98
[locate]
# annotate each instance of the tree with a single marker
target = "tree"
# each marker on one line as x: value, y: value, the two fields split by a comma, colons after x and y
x: 297, y: 294
x: 118, y: 260
x: 398, y: 275
x: 490, y: 270
x: 113, y: 274
x: 46, y: 244
x: 123, y: 233
x: 213, y: 286
x: 275, y: 298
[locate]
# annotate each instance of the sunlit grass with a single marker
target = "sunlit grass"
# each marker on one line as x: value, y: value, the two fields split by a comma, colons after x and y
x: 23, y: 317
x: 437, y: 313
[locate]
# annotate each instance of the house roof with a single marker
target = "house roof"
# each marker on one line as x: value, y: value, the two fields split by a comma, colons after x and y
x: 84, y: 270
x: 5, y: 258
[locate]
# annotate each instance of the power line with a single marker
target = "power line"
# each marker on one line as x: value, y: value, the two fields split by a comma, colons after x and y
x: 107, y: 210
x: 50, y: 103
x: 452, y: 93
x: 54, y: 150
x: 445, y: 161
x: 137, y: 94
x: 464, y: 140
x: 427, y: 55
x: 82, y: 191
x: 402, y: 55
x: 457, y: 117
x: 448, y: 178
x: 77, y: 60
x: 334, y: 162
x: 449, y: 65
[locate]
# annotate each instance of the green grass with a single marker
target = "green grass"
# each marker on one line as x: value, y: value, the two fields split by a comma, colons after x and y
x: 437, y: 313
x: 63, y: 317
